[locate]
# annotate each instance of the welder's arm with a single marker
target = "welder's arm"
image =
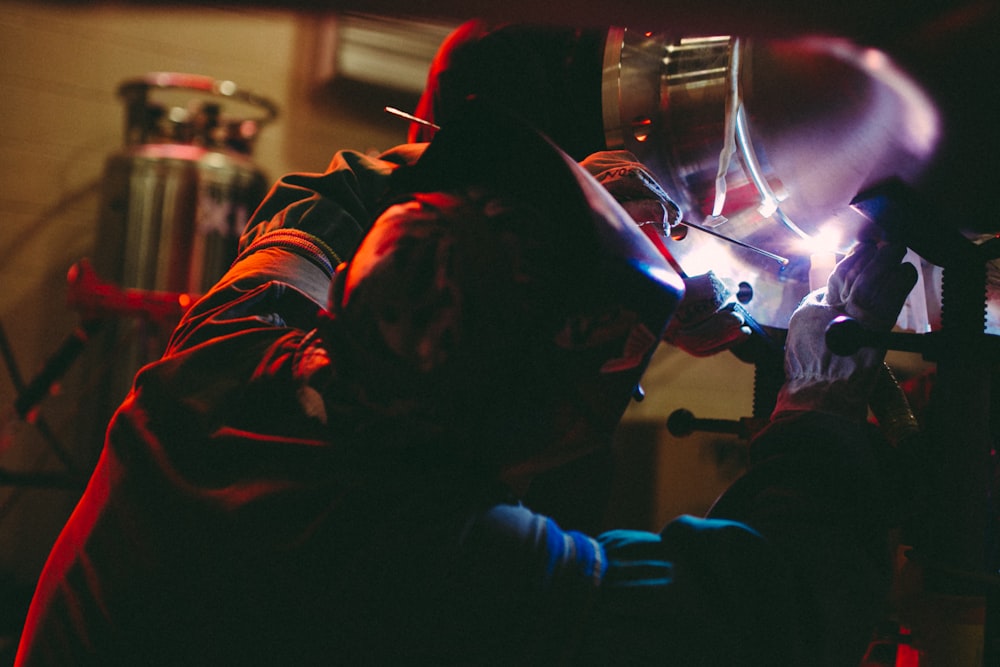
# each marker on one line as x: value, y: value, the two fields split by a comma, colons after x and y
x: 305, y: 226
x: 336, y: 207
x: 816, y: 485
x: 869, y: 285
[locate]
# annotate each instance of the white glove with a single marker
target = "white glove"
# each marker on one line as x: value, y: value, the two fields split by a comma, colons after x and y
x: 869, y: 285
x: 706, y: 321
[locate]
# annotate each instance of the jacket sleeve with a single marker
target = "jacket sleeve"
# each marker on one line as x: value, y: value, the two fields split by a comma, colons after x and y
x: 304, y: 228
x: 337, y: 206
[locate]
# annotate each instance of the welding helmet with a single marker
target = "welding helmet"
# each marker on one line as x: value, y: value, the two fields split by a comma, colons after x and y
x: 549, y: 75
x: 501, y: 309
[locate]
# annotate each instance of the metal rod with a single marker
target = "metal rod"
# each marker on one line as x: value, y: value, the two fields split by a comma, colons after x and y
x: 408, y: 116
x: 778, y: 258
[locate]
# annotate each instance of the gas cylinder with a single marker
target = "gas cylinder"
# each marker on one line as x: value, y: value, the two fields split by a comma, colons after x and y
x: 175, y: 199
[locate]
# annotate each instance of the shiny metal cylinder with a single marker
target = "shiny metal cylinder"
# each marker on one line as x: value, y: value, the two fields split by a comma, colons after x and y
x: 664, y: 100
x: 177, y: 196
x: 172, y: 215
x: 175, y: 199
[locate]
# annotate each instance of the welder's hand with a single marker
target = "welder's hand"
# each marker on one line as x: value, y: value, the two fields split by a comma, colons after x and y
x: 706, y: 321
x: 870, y: 285
x: 635, y: 188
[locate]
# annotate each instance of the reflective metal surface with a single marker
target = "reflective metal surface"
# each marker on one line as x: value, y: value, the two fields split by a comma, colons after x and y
x: 175, y: 199
x: 172, y: 215
x: 765, y: 142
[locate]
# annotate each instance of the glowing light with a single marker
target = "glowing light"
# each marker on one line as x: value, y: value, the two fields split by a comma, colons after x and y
x: 822, y: 249
x: 183, y: 300
x: 708, y: 255
x: 668, y: 277
x: 821, y: 265
x: 827, y: 239
x: 641, y: 128
x: 874, y: 59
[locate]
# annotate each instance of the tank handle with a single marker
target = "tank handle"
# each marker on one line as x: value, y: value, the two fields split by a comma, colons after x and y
x: 147, y: 122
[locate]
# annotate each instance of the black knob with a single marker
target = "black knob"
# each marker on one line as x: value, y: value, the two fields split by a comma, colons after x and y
x: 845, y: 336
x: 681, y: 423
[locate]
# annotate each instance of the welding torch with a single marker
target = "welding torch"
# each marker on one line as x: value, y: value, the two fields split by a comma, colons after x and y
x: 657, y: 230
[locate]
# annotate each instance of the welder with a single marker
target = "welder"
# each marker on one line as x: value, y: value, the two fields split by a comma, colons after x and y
x: 326, y: 466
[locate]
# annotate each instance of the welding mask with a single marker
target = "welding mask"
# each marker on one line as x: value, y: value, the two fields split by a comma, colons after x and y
x: 500, y: 311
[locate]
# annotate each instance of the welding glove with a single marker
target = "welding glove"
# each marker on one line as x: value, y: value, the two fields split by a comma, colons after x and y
x: 869, y: 285
x: 635, y: 188
x: 707, y: 320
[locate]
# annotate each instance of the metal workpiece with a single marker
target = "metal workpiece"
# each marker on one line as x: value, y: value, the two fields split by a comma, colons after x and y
x: 764, y: 143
